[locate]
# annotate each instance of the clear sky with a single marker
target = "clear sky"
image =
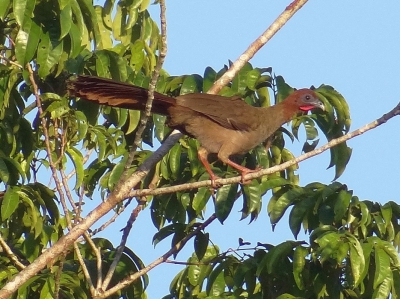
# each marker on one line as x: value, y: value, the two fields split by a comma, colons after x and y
x: 352, y: 45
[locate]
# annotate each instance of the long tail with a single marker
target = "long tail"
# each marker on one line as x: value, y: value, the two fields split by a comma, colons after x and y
x: 117, y: 94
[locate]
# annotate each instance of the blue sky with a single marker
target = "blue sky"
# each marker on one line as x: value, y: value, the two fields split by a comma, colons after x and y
x: 352, y: 45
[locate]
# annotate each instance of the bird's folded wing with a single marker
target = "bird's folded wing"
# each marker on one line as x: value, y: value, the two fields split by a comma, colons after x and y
x: 230, y: 112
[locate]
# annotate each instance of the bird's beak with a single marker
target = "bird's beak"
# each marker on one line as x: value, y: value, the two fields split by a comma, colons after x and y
x: 320, y: 105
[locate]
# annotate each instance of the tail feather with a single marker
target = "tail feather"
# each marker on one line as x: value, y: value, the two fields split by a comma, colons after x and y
x: 117, y: 94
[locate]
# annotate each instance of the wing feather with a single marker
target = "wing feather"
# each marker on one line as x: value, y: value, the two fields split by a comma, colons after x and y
x: 226, y: 111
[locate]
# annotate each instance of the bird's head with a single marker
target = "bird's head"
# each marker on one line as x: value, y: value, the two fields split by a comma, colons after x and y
x: 305, y: 100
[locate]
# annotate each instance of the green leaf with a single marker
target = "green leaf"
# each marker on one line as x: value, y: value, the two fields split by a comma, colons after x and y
x: 200, y: 244
x: 382, y: 262
x: 4, y: 172
x: 299, y: 262
x: 174, y: 159
x: 283, y: 202
x: 75, y: 39
x: 278, y: 254
x: 144, y: 4
x: 190, y: 84
x: 239, y: 83
x: 299, y: 214
x: 338, y: 102
x: 146, y: 26
x: 104, y: 33
x: 192, y: 149
x: 342, y: 205
x: 392, y: 252
x: 216, y: 282
x: 23, y: 10
x: 210, y: 76
x: 272, y: 183
x: 26, y: 42
x: 9, y: 203
x: 65, y: 17
x: 383, y: 290
x: 116, y: 173
x: 26, y: 137
x: 357, y: 259
x: 88, y: 10
x: 201, y: 198
x: 251, y: 199
x: 283, y: 89
x: 49, y: 51
x: 106, y: 13
x: 77, y: 159
x: 225, y: 199
x: 4, y: 8
x: 15, y: 170
x: 341, y: 154
x: 252, y: 78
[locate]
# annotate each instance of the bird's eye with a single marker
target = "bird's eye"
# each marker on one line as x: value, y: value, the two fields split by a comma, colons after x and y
x: 307, y: 98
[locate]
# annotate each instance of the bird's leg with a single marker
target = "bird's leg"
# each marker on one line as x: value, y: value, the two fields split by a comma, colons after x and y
x: 224, y: 154
x: 243, y: 170
x: 203, y: 157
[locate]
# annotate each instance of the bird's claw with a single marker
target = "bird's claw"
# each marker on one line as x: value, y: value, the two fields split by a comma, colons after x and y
x: 215, y: 185
x: 243, y: 181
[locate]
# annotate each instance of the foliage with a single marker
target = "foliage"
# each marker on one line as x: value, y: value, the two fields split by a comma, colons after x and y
x: 351, y: 251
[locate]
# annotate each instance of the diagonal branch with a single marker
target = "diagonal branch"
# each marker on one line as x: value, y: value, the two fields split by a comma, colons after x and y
x: 383, y: 119
x: 174, y: 250
x: 257, y: 45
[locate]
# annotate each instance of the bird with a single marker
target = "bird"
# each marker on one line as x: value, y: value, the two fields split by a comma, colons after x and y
x: 225, y: 126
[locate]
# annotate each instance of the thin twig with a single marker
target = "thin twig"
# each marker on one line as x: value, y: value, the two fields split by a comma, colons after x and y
x: 112, y: 219
x: 152, y: 86
x: 138, y: 139
x: 99, y: 264
x: 84, y: 269
x: 11, y: 62
x: 121, y: 247
x: 54, y: 172
x: 174, y: 250
x: 10, y: 253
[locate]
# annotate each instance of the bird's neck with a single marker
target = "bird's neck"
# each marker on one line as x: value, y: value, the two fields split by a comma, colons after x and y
x: 280, y: 114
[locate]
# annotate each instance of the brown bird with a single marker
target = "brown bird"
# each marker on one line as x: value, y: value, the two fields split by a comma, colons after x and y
x: 224, y: 126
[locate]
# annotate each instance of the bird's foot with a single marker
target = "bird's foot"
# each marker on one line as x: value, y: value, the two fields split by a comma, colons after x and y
x: 214, y: 185
x: 243, y: 181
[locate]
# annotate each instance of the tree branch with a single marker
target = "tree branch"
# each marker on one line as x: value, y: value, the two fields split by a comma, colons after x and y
x: 10, y: 253
x: 127, y: 281
x: 257, y: 45
x: 152, y: 86
x: 383, y: 119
